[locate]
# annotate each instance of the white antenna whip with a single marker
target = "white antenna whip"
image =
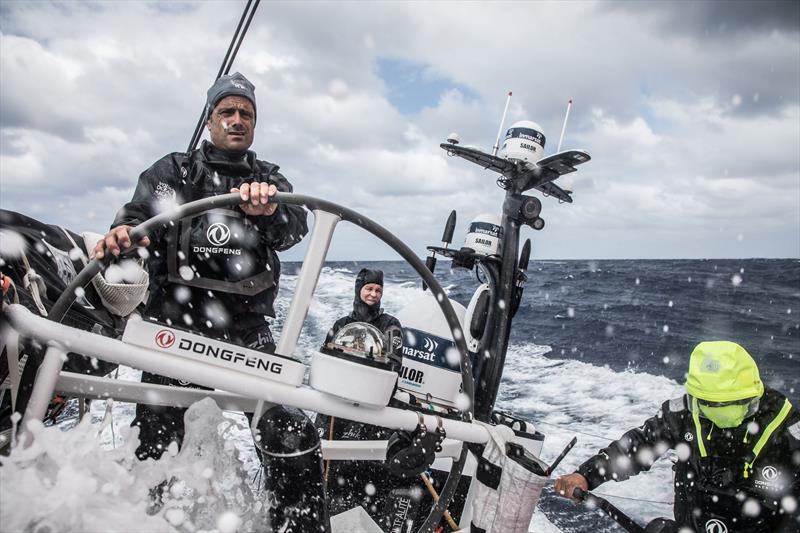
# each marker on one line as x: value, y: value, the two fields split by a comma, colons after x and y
x: 496, y: 146
x: 564, y: 127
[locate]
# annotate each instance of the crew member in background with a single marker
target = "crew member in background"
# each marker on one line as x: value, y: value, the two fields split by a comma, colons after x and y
x: 217, y: 273
x: 352, y: 483
x: 366, y: 304
x: 737, y: 444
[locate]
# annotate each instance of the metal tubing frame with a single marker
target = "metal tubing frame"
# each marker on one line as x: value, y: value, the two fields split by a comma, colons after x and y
x: 209, y: 375
x: 62, y: 305
x: 46, y: 379
x: 97, y: 388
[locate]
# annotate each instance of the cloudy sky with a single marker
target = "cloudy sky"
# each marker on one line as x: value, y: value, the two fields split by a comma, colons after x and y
x: 691, y: 112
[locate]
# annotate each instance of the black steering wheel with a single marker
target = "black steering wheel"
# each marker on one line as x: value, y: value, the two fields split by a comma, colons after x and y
x: 317, y: 206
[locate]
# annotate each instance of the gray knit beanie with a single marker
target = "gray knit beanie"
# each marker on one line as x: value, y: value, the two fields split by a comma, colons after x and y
x: 230, y: 85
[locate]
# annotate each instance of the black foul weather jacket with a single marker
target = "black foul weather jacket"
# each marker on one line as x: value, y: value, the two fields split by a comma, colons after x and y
x: 217, y: 270
x: 744, y: 479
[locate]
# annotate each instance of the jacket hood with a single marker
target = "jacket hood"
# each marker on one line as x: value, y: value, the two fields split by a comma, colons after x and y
x: 362, y: 311
x: 234, y: 163
x: 722, y: 371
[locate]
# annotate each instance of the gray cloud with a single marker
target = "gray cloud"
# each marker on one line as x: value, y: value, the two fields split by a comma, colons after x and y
x: 693, y: 134
x: 712, y: 19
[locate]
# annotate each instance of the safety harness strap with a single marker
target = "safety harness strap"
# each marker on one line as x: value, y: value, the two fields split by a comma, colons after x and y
x: 75, y: 246
x: 777, y: 421
x: 698, y: 429
x: 11, y: 347
x: 35, y: 283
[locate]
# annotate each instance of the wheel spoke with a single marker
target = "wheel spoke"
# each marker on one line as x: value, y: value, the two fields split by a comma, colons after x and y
x: 319, y: 242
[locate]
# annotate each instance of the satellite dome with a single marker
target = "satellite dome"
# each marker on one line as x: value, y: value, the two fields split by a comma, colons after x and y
x: 361, y: 340
x: 524, y: 142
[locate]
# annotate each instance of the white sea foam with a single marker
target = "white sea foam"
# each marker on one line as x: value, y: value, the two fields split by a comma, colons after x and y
x: 70, y: 481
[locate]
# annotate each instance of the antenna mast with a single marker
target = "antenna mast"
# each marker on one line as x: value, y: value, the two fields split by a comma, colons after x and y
x: 564, y: 127
x: 496, y: 146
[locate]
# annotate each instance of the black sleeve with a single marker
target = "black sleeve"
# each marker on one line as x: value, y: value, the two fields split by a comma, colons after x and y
x: 394, y: 323
x: 792, y: 439
x: 634, y: 452
x: 156, y: 183
x: 287, y: 226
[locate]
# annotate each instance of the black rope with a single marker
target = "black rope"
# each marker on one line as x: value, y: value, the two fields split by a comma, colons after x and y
x: 605, y: 495
x: 244, y: 32
x: 227, y: 63
x: 224, y: 68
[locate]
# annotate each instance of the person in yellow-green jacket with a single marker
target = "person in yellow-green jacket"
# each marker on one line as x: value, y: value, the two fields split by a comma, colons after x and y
x: 737, y: 444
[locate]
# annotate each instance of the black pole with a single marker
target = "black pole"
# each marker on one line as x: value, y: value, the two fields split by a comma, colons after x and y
x: 241, y: 38
x: 225, y: 66
x: 502, y: 306
x: 447, y: 238
x: 493, y: 315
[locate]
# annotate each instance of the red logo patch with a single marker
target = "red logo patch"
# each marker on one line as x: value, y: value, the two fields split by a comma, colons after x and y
x: 165, y: 338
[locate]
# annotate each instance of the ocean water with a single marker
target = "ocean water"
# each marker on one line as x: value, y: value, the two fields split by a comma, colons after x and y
x: 596, y: 347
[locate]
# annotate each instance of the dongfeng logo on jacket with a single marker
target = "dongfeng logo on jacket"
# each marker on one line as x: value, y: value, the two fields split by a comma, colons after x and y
x: 218, y: 234
x: 716, y: 526
x: 770, y: 479
x: 769, y: 473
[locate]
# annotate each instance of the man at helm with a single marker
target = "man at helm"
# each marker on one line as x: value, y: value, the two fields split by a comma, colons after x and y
x: 215, y: 273
x: 737, y: 444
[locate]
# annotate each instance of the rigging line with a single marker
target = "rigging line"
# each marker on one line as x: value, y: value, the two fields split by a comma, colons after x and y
x: 227, y: 62
x: 605, y: 495
x: 610, y: 439
x: 244, y: 32
x: 225, y: 66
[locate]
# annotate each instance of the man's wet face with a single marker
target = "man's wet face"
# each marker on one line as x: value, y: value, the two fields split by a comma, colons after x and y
x: 231, y: 124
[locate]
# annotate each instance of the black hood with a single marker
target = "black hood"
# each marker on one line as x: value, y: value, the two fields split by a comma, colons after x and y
x: 361, y: 311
